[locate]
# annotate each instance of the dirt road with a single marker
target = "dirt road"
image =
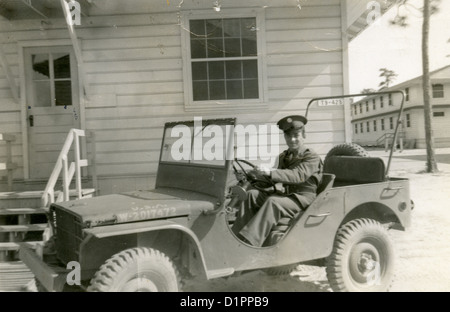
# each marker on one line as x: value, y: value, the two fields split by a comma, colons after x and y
x: 423, y: 251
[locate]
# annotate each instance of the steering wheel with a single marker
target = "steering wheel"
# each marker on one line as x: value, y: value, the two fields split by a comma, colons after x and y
x: 259, y: 182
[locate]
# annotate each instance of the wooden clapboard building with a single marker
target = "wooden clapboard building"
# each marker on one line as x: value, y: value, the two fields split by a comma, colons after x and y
x: 116, y: 71
x: 131, y: 66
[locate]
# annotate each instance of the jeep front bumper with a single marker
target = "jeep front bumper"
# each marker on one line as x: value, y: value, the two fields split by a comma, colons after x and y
x: 52, y: 278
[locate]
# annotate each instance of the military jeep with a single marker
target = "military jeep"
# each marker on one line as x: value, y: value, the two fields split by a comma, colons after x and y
x: 152, y: 240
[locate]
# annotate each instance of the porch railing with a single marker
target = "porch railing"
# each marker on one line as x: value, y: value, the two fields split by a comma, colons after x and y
x: 8, y: 166
x: 387, y: 138
x: 69, y: 171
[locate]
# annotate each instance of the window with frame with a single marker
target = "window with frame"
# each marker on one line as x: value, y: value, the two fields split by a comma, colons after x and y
x: 50, y: 78
x: 368, y: 127
x: 439, y: 114
x: 407, y: 94
x: 375, y: 126
x: 391, y: 123
x: 390, y: 100
x: 381, y: 101
x: 360, y: 108
x: 224, y: 59
x: 383, y: 127
x: 408, y: 120
x: 367, y: 106
x: 374, y: 102
x: 361, y: 126
x: 356, y: 129
x: 438, y: 91
x: 356, y: 109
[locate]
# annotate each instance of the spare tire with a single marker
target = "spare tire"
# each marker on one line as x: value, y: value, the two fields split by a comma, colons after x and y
x: 347, y: 149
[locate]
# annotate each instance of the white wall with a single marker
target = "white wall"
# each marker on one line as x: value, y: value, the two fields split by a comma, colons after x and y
x: 136, y: 62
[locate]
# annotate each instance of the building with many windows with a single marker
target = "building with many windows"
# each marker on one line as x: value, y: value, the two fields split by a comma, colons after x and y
x: 374, y: 118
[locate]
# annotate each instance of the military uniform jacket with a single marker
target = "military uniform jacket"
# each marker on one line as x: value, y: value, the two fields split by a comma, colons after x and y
x: 300, y: 173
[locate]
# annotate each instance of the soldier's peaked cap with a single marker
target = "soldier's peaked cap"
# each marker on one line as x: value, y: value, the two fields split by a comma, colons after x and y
x: 292, y: 123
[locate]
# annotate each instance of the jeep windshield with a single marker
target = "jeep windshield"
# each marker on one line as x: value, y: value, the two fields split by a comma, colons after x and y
x: 198, y: 142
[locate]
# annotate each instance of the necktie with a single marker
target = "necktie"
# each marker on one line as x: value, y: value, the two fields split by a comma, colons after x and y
x: 288, y: 159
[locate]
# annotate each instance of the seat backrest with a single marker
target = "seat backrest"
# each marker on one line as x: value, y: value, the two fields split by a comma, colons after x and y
x: 356, y: 169
x: 326, y: 183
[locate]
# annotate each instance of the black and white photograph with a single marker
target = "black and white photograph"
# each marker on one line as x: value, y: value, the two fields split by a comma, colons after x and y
x: 224, y: 150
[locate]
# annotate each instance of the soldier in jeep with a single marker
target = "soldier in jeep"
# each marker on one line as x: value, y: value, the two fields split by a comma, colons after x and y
x: 297, y: 177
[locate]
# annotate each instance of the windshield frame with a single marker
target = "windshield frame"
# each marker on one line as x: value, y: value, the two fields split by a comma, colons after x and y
x: 192, y: 124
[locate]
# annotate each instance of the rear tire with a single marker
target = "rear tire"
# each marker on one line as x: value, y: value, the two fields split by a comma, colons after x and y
x: 362, y: 258
x: 137, y: 270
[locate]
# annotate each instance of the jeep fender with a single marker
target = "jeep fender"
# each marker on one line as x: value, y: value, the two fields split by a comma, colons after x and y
x: 122, y: 234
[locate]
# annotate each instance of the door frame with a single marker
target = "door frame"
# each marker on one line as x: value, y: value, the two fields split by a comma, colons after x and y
x: 22, y: 45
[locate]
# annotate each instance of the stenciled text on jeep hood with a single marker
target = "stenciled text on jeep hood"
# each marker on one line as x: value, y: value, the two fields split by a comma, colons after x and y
x: 138, y: 206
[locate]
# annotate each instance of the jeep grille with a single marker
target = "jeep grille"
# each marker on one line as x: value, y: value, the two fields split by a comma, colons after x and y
x: 68, y: 231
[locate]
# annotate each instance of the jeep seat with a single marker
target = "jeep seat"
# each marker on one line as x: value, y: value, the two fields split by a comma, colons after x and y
x: 285, y: 223
x: 351, y: 170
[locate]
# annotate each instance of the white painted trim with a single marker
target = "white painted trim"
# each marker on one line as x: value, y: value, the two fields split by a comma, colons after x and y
x: 259, y: 14
x: 345, y: 73
x: 43, y: 43
x: 23, y: 112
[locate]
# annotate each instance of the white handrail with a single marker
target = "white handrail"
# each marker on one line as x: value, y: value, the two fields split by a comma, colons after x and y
x: 68, y: 171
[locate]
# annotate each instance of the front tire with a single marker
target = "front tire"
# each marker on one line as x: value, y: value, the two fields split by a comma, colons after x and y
x: 362, y: 258
x: 137, y: 270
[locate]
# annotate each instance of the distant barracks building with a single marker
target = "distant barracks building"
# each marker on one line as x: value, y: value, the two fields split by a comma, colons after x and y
x: 374, y: 118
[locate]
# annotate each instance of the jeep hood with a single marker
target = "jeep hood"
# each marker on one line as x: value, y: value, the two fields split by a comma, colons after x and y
x: 138, y: 206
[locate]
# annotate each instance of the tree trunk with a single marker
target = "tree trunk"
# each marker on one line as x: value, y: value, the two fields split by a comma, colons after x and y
x: 428, y: 109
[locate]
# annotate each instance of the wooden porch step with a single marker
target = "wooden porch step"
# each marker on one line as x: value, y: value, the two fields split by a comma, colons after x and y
x: 21, y: 211
x: 23, y: 228
x: 16, y: 246
x: 21, y: 195
x: 14, y: 276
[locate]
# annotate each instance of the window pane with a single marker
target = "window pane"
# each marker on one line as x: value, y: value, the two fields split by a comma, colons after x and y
x: 199, y: 71
x: 248, y: 27
x: 232, y: 27
x: 41, y: 92
x: 61, y: 65
x: 63, y: 93
x: 234, y: 89
x: 198, y: 48
x: 215, y: 48
x: 217, y: 90
x: 214, y: 28
x: 197, y: 28
x: 251, y: 90
x: 40, y: 66
x: 250, y: 69
x: 200, y: 90
x: 234, y: 70
x: 232, y: 47
x: 216, y: 70
x: 249, y: 47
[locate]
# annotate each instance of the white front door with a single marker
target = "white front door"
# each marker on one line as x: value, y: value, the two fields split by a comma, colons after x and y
x: 52, y: 104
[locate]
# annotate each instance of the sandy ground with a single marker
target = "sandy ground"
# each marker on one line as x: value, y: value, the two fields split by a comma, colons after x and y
x: 422, y: 252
